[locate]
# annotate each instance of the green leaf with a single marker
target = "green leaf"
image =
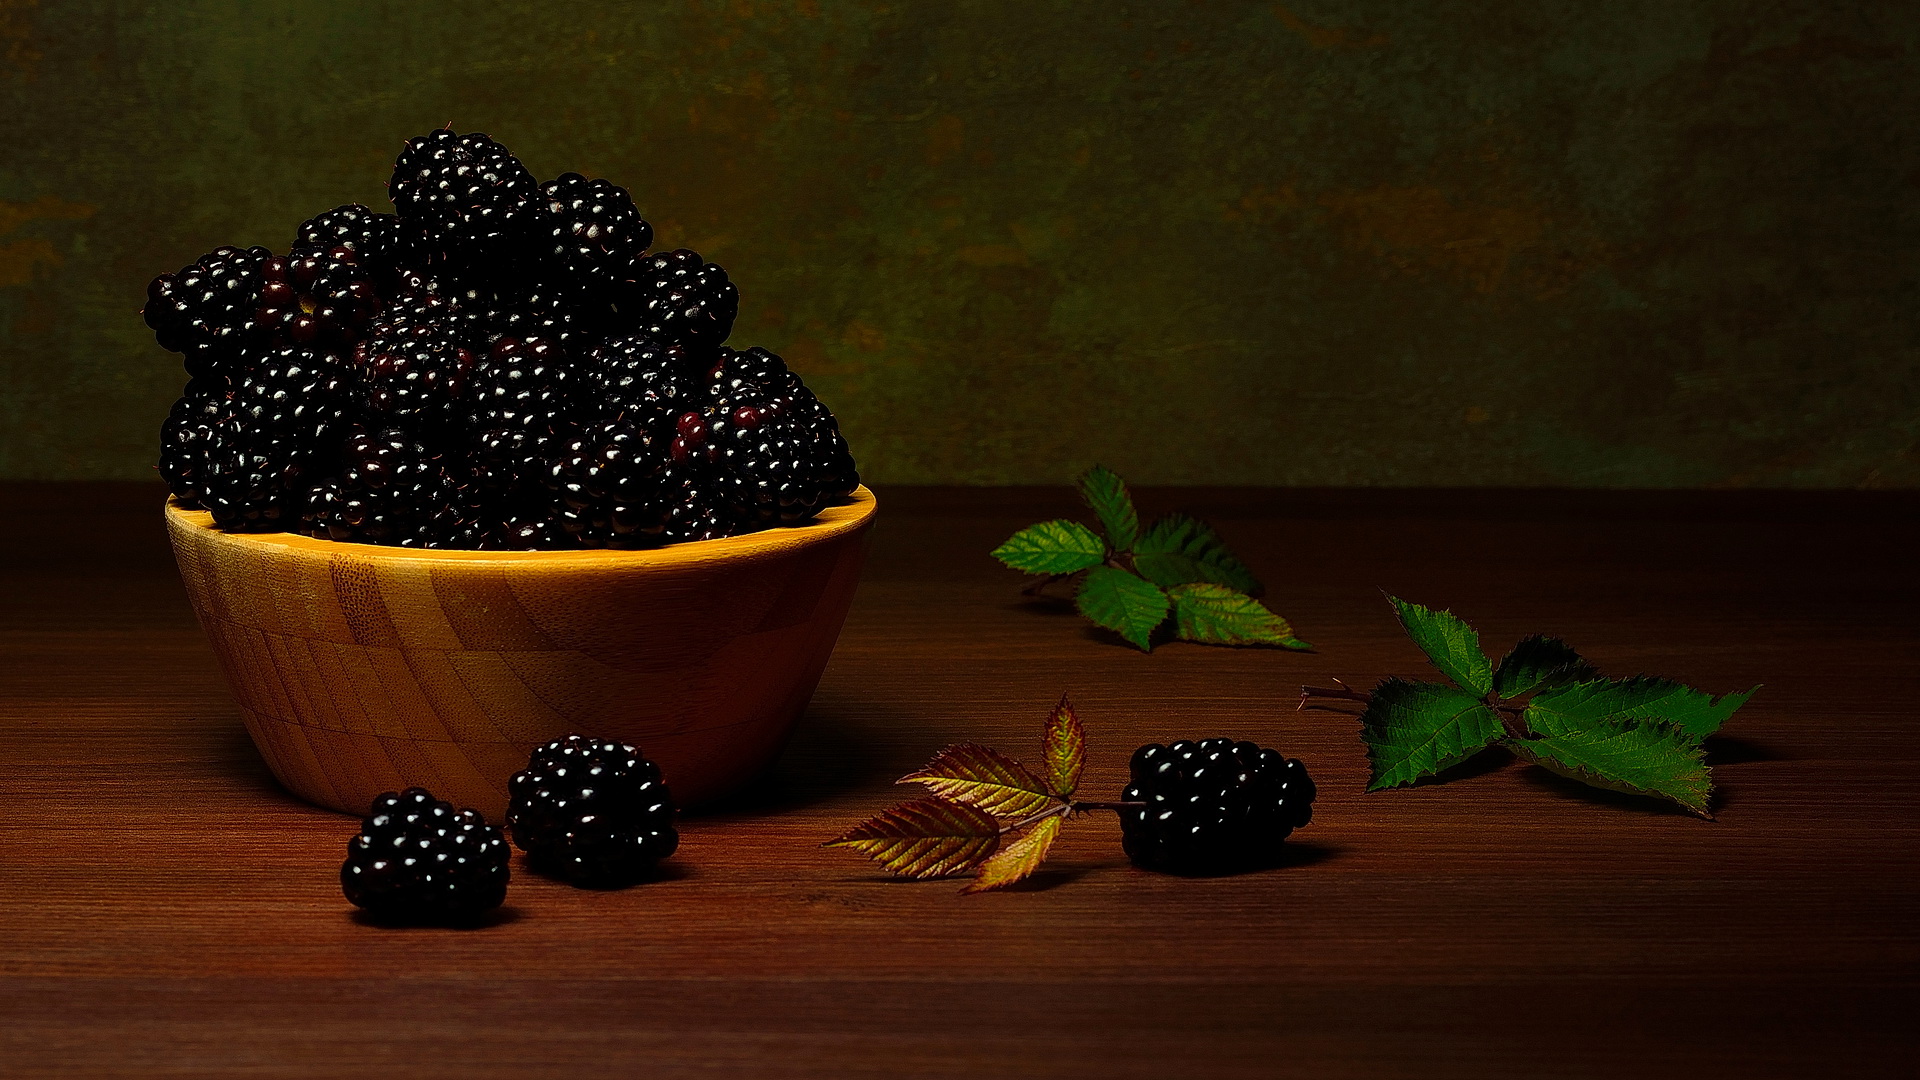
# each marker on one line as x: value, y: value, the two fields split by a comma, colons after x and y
x: 1416, y: 729
x: 1017, y: 860
x: 1540, y: 663
x: 1602, y: 701
x: 984, y: 778
x: 1644, y: 759
x: 1066, y: 746
x: 925, y: 839
x: 1179, y: 550
x: 1217, y: 615
x: 1123, y: 603
x: 1107, y: 494
x: 1052, y: 547
x: 1450, y: 643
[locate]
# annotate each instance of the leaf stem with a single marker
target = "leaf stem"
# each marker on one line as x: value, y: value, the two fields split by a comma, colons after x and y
x: 1114, y: 806
x: 1344, y: 693
x: 1056, y: 810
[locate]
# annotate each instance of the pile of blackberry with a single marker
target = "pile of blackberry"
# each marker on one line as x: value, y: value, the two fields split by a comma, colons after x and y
x: 498, y: 364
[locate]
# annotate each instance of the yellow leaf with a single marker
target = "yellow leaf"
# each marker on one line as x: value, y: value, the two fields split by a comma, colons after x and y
x: 1066, y: 743
x: 1017, y: 860
x: 925, y: 839
x: 983, y: 777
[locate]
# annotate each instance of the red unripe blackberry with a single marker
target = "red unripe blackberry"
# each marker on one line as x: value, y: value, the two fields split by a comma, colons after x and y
x: 417, y: 859
x: 1212, y: 806
x: 591, y: 811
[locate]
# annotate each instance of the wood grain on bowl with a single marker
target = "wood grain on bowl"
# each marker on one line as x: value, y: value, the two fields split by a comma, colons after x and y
x: 360, y: 669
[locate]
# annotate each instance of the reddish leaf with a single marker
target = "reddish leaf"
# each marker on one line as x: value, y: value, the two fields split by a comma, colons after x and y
x: 1018, y: 859
x: 1066, y: 743
x: 925, y: 839
x: 983, y: 777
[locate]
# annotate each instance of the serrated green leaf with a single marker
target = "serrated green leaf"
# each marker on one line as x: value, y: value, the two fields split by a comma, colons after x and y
x: 1416, y: 729
x: 1449, y: 643
x: 1065, y: 741
x: 1589, y: 704
x: 983, y: 777
x: 1107, y: 494
x: 1539, y: 663
x: 1123, y: 603
x: 925, y: 839
x: 1052, y: 547
x: 1018, y: 860
x: 1217, y: 615
x: 1179, y: 550
x: 1644, y: 759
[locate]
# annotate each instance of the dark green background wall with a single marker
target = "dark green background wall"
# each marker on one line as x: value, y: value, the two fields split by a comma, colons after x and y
x: 1632, y: 242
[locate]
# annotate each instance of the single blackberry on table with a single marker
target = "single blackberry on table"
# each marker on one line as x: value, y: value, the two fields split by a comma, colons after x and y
x: 591, y: 811
x: 417, y: 859
x: 414, y: 373
x: 374, y: 239
x: 466, y: 200
x: 393, y: 488
x: 590, y: 234
x: 680, y: 298
x: 206, y: 311
x: 1212, y: 806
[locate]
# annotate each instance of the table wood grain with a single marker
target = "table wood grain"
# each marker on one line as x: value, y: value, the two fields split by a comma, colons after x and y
x: 165, y: 910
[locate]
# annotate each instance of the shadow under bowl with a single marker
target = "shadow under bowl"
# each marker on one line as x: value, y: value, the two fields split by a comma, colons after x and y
x: 360, y: 669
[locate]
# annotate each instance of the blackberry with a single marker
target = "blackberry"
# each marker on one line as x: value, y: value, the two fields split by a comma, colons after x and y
x: 392, y: 489
x: 591, y: 811
x: 253, y: 481
x: 778, y: 452
x: 206, y: 311
x: 531, y: 310
x: 417, y: 859
x: 530, y: 530
x: 590, y: 234
x: 519, y: 405
x: 374, y: 239
x: 610, y: 485
x: 639, y: 377
x: 296, y: 392
x: 414, y: 373
x: 680, y: 298
x: 199, y: 422
x: 321, y: 297
x: 466, y: 201
x: 1212, y: 806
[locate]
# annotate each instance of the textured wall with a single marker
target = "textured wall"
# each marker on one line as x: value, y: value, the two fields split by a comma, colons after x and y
x: 1640, y: 242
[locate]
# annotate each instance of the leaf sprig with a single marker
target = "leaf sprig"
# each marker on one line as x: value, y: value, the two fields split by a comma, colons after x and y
x: 1543, y: 702
x: 1134, y: 582
x: 988, y: 813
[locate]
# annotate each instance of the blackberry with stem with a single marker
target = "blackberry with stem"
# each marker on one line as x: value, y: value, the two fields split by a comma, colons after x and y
x: 465, y: 200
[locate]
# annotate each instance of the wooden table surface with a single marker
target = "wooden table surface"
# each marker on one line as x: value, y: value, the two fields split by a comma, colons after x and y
x: 166, y: 910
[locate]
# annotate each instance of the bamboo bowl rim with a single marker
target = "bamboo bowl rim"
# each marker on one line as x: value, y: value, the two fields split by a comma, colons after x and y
x: 848, y: 516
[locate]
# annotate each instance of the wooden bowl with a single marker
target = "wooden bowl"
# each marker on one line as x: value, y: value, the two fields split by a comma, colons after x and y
x: 361, y: 669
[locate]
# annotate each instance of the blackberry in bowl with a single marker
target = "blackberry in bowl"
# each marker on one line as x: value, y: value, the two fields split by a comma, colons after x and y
x: 453, y: 482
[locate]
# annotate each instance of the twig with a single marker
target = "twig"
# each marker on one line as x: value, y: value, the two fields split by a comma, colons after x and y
x: 1344, y: 693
